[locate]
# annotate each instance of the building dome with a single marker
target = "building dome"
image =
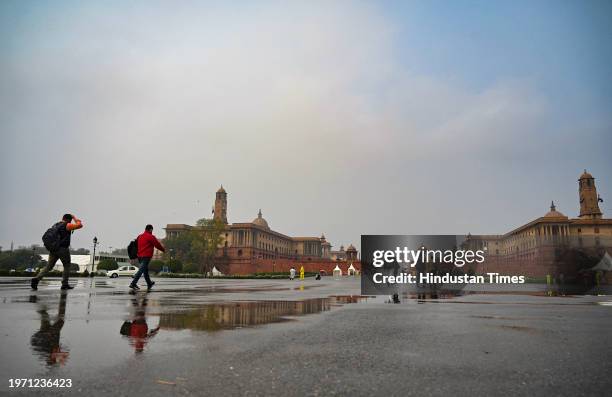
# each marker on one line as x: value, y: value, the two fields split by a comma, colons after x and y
x: 553, y: 213
x: 221, y: 190
x: 586, y: 175
x: 351, y: 248
x: 260, y: 221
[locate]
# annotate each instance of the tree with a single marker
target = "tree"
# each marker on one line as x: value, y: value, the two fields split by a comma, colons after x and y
x: 197, y: 246
x: 18, y: 259
x: 174, y: 265
x: 108, y: 264
x: 190, y: 268
x: 156, y: 265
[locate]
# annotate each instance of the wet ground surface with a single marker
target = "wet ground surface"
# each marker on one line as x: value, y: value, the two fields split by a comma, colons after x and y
x: 277, y: 337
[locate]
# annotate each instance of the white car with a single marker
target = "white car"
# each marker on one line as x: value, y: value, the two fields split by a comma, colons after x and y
x: 123, y: 271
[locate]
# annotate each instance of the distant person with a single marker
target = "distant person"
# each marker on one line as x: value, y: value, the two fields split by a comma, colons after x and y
x: 291, y: 273
x: 57, y: 241
x: 146, y: 243
x: 318, y: 277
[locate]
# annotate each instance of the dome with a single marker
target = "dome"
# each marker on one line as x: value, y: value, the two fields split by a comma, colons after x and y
x: 553, y: 213
x: 221, y: 190
x: 351, y: 248
x: 586, y: 175
x: 260, y: 221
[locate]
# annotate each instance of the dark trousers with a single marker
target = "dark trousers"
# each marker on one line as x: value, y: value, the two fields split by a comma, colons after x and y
x: 62, y: 254
x: 144, y: 269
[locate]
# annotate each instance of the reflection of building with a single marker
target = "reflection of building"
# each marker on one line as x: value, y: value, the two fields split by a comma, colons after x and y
x: 241, y: 314
x: 213, y: 317
x: 552, y: 244
x: 254, y: 247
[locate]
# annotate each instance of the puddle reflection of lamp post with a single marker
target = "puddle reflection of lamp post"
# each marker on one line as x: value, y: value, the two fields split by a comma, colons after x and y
x: 93, y: 258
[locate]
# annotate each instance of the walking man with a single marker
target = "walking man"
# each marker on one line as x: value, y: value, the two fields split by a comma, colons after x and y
x: 57, y: 241
x: 146, y: 243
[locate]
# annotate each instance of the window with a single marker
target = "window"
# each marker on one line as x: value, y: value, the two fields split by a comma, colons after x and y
x: 596, y: 230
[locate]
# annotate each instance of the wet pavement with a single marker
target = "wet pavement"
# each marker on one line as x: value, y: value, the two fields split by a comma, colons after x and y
x: 281, y: 337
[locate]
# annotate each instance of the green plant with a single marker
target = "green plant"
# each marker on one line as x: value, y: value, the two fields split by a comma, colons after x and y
x: 107, y: 264
x: 156, y: 265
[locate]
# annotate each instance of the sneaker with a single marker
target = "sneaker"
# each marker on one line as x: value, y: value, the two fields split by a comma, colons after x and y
x: 150, y: 285
x: 134, y: 286
x: 34, y: 283
x: 67, y: 286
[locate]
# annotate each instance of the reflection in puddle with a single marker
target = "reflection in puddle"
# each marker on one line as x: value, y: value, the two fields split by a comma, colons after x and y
x: 46, y: 341
x: 136, y: 328
x: 220, y: 316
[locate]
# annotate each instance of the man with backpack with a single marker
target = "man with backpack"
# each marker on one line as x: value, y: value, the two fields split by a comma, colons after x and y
x: 57, y: 241
x: 146, y: 243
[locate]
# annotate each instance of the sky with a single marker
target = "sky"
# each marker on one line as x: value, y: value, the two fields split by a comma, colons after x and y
x: 335, y: 117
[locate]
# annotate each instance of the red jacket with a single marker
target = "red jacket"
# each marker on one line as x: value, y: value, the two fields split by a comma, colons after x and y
x: 146, y: 242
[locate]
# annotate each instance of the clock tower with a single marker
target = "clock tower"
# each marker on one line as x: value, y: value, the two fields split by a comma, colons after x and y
x: 221, y: 206
x: 589, y: 199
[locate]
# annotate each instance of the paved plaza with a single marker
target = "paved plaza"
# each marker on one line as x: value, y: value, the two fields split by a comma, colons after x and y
x: 281, y: 337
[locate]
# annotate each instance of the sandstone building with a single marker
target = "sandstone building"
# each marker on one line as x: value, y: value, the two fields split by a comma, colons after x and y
x: 251, y: 247
x: 553, y: 244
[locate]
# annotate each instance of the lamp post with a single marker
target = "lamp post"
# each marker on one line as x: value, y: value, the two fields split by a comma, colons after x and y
x: 93, y: 258
x: 32, y: 262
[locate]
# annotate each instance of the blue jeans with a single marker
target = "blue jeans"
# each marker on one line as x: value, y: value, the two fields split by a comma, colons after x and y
x: 144, y: 269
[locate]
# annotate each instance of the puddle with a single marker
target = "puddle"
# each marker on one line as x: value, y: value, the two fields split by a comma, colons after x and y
x: 232, y: 315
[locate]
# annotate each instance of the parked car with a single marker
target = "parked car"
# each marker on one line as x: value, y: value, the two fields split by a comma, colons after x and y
x: 123, y: 271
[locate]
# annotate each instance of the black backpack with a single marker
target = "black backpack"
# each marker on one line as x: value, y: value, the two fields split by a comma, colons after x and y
x: 132, y: 249
x: 52, y: 238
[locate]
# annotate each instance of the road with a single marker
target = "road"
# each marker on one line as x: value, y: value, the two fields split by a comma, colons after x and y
x: 281, y: 337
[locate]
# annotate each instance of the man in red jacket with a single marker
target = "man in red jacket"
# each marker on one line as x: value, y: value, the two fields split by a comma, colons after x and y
x: 146, y: 243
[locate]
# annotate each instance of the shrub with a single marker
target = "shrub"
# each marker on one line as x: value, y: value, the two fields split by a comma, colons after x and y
x: 156, y: 265
x: 107, y: 264
x: 190, y: 268
x: 175, y: 265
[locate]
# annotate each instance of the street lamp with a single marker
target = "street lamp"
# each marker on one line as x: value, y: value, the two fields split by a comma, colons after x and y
x: 93, y: 259
x: 32, y: 262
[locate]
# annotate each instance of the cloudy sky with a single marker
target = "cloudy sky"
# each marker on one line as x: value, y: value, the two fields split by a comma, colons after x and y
x: 343, y: 118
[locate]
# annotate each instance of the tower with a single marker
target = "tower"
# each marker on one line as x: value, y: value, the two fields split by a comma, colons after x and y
x: 221, y: 205
x: 589, y: 200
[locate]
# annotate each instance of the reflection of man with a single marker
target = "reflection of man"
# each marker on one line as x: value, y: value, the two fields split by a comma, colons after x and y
x: 137, y: 329
x: 46, y: 341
